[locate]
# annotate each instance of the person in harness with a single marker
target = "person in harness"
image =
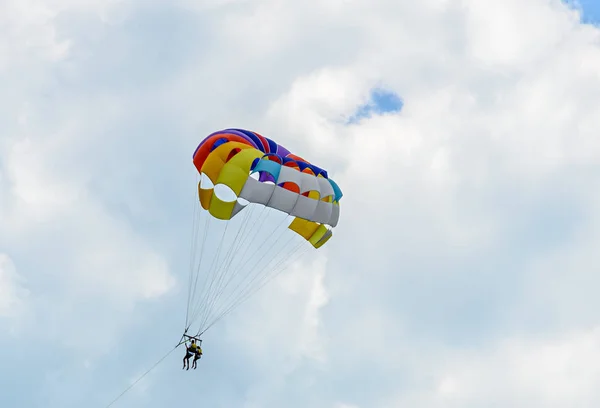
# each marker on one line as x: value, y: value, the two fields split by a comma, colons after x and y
x: 197, y: 356
x: 190, y: 350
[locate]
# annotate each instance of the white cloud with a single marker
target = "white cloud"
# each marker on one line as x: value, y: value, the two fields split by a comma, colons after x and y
x: 297, y: 295
x: 13, y: 294
x: 442, y: 214
x: 28, y: 31
x: 86, y: 263
x: 517, y: 372
x: 500, y: 129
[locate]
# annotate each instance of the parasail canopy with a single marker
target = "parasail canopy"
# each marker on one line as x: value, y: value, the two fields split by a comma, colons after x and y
x: 263, y: 208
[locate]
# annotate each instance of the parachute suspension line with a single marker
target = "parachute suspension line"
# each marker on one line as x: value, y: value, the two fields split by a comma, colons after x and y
x: 189, y: 320
x: 240, y: 257
x: 253, y: 268
x: 214, y: 273
x: 202, y: 307
x: 239, y: 267
x: 228, y: 259
x: 297, y: 254
x: 218, y: 271
x: 247, y: 295
x: 257, y: 270
x: 143, y: 375
x: 193, y: 250
x: 273, y: 273
x: 273, y: 261
x: 210, y: 276
x: 261, y: 271
x: 195, y: 309
x: 196, y: 306
x: 263, y: 215
x: 236, y: 272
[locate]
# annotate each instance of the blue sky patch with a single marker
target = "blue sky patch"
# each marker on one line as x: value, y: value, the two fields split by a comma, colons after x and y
x: 590, y: 10
x: 381, y: 101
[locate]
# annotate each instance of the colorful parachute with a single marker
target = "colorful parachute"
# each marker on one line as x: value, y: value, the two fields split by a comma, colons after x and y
x: 251, y: 191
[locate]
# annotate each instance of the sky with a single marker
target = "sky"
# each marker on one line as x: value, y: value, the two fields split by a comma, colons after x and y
x: 464, y: 135
x: 589, y: 9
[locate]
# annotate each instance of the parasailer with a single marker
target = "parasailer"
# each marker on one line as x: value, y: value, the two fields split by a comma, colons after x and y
x: 193, y: 349
x: 197, y: 356
x: 263, y: 207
